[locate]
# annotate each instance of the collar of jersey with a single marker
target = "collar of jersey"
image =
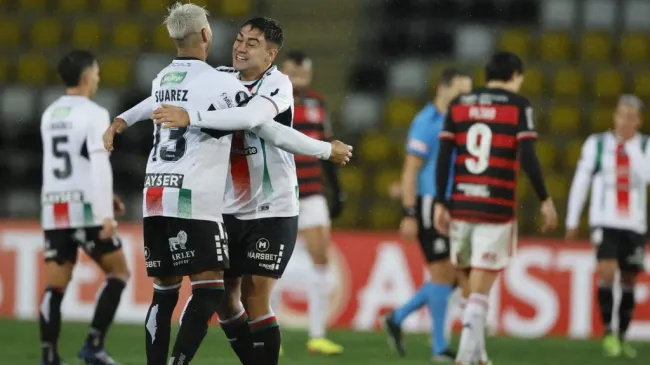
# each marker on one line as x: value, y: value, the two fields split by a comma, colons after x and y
x: 187, y: 59
x: 257, y: 83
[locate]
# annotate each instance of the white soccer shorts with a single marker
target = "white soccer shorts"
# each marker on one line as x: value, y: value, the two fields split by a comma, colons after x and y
x: 486, y: 246
x: 314, y: 212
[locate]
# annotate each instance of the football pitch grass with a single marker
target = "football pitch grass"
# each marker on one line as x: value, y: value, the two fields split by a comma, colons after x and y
x: 19, y: 346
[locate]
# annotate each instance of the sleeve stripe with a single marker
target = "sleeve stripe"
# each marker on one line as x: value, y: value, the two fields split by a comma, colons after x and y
x: 277, y: 110
x: 524, y: 135
x: 447, y: 135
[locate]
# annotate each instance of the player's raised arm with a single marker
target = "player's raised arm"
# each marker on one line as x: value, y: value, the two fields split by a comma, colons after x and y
x: 580, y: 186
x: 138, y: 113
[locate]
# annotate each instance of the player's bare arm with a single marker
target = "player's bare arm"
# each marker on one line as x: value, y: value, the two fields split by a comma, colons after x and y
x: 134, y: 115
x: 409, y: 225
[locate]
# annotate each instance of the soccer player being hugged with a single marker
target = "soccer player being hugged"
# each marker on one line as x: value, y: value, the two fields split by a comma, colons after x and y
x: 311, y: 118
x: 418, y: 191
x: 78, y: 206
x: 616, y: 166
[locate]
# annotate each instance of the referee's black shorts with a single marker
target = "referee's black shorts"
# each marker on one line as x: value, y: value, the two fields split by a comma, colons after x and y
x: 434, y: 245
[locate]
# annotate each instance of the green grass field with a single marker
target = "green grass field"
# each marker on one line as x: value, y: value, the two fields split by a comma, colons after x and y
x: 19, y: 346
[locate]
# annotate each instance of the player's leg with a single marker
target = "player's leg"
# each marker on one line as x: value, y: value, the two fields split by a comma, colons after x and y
x: 267, y: 257
x: 166, y: 287
x: 491, y: 248
x: 203, y: 259
x: 109, y: 256
x: 60, y: 255
x: 631, y: 262
x: 606, y: 242
x: 314, y: 228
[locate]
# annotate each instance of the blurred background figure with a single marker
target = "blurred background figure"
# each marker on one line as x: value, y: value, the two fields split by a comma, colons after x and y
x: 312, y: 118
x: 418, y: 192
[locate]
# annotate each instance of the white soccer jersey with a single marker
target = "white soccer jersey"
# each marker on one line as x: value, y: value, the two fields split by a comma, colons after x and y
x: 618, y: 174
x: 187, y: 167
x: 262, y: 182
x: 71, y: 130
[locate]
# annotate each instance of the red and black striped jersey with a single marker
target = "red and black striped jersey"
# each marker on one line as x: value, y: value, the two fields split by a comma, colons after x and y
x: 486, y: 126
x: 310, y: 117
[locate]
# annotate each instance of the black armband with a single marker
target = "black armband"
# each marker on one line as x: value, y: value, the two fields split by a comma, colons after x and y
x: 410, y: 212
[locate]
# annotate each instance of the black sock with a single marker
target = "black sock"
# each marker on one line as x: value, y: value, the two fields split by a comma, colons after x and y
x: 50, y: 323
x: 105, y: 310
x: 239, y: 336
x: 606, y: 303
x: 206, y: 297
x: 266, y: 338
x: 158, y: 323
x: 625, y: 310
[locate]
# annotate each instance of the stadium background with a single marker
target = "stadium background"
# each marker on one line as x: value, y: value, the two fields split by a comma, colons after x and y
x: 376, y: 62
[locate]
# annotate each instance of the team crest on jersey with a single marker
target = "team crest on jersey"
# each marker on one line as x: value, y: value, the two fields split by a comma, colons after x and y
x: 241, y: 98
x: 173, y: 78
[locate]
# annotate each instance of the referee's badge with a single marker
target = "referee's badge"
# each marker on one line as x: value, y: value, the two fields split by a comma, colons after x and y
x: 597, y: 236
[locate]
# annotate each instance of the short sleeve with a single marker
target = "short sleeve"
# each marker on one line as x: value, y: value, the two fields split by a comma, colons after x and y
x: 231, y: 92
x: 421, y: 135
x: 526, y: 123
x: 96, y: 128
x: 448, y: 126
x: 276, y: 88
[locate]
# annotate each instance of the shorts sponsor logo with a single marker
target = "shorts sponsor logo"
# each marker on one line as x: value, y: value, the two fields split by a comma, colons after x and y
x: 150, y: 263
x: 147, y: 253
x: 597, y: 236
x: 262, y: 245
x: 177, y: 246
x: 268, y: 260
x: 164, y: 180
x: 49, y: 252
x: 439, y: 245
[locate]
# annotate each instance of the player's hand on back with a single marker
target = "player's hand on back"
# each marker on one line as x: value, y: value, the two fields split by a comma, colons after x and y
x: 117, y: 127
x: 549, y: 215
x: 408, y: 228
x: 171, y: 116
x: 571, y: 234
x: 341, y: 153
x: 441, y: 219
x: 118, y: 206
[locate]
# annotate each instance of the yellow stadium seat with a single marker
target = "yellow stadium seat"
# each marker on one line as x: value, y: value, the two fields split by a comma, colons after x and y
x: 546, y: 152
x: 572, y: 153
x: 595, y: 47
x: 115, y: 71
x: 564, y: 119
x: 73, y: 5
x: 533, y: 82
x: 515, y: 40
x: 161, y: 40
x: 400, y: 112
x: 601, y: 119
x: 127, y: 34
x: 479, y: 76
x: 555, y: 46
x: 86, y: 34
x: 32, y: 5
x: 608, y: 83
x: 568, y: 82
x: 4, y: 70
x: 352, y: 180
x: 384, y: 179
x: 32, y: 69
x: 385, y: 215
x: 558, y: 186
x: 235, y: 7
x: 46, y: 33
x: 9, y: 33
x: 349, y: 217
x: 153, y: 6
x: 375, y: 147
x: 523, y: 189
x: 634, y: 48
x: 113, y: 6
x: 203, y: 3
x: 642, y: 84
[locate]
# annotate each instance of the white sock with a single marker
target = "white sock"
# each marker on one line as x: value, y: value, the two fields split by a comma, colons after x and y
x: 317, y: 297
x: 473, y: 328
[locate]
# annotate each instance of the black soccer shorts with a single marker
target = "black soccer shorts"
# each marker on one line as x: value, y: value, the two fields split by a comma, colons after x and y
x: 627, y: 247
x: 61, y: 245
x: 435, y: 246
x: 180, y: 247
x: 260, y: 246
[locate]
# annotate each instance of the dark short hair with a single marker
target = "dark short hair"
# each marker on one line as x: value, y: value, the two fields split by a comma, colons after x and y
x: 448, y: 74
x: 271, y: 28
x: 73, y: 65
x: 297, y: 57
x: 503, y: 66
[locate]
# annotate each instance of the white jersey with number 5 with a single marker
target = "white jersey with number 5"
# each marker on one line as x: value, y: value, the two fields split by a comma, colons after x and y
x: 187, y: 167
x: 262, y: 181
x: 71, y: 129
